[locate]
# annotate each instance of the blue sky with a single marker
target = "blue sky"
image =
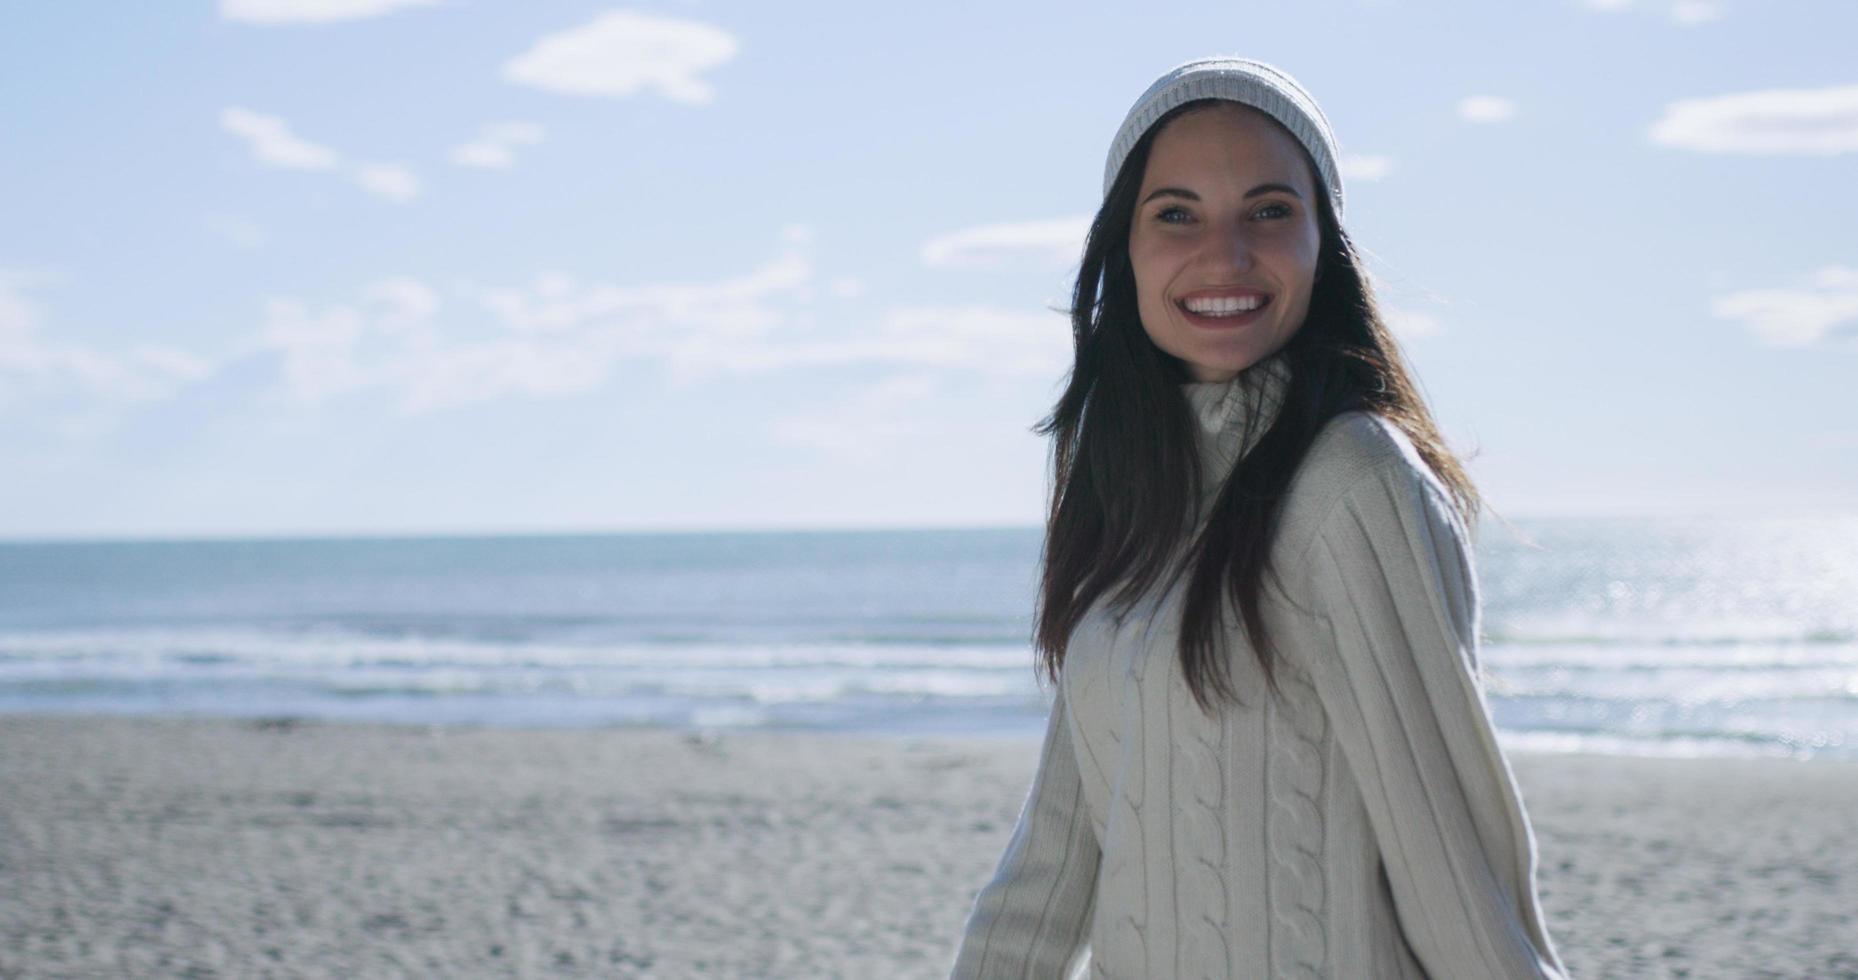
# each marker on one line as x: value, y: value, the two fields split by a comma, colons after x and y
x: 371, y: 266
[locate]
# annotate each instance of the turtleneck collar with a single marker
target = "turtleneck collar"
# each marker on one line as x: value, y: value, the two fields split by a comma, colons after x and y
x: 1233, y: 415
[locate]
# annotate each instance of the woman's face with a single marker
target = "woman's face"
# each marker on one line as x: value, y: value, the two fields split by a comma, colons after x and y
x: 1225, y: 219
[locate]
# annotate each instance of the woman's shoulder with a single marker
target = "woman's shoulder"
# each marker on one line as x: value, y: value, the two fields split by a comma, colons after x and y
x: 1350, y: 448
x: 1353, y: 449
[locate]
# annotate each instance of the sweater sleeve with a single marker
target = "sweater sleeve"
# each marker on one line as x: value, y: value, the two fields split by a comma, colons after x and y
x: 1393, y: 578
x: 1029, y: 920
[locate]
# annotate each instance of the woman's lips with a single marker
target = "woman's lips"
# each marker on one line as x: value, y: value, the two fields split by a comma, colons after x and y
x: 1223, y: 322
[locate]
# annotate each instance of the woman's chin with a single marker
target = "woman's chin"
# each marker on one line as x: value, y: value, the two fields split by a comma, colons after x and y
x: 1222, y: 368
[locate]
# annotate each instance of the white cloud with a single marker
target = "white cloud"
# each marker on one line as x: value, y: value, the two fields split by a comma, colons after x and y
x: 557, y: 335
x: 1835, y: 277
x: 747, y: 324
x: 401, y: 301
x: 318, y: 348
x: 1687, y: 13
x: 311, y: 11
x: 1692, y: 12
x: 555, y: 304
x: 1486, y: 109
x: 1816, y: 122
x: 273, y: 143
x: 237, y: 229
x: 1411, y: 324
x: 1822, y: 310
x: 1366, y: 167
x: 554, y: 336
x: 479, y: 372
x: 871, y: 421
x: 1059, y: 240
x: 388, y: 181
x: 402, y: 338
x: 397, y: 347
x: 516, y: 131
x: 495, y: 144
x: 31, y: 364
x: 390, y: 340
x: 19, y: 316
x: 483, y: 154
x: 623, y: 53
x: 988, y: 339
x: 976, y: 338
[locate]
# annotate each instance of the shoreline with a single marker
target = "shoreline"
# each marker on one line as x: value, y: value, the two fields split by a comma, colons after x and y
x: 1019, y: 728
x: 152, y: 846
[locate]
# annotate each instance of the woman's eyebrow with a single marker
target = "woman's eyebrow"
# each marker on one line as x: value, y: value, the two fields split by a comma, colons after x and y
x: 1183, y: 192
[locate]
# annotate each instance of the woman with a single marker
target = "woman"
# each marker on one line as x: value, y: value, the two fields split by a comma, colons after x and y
x: 1269, y: 754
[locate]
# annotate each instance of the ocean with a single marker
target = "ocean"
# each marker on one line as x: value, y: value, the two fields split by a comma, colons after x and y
x: 1633, y: 636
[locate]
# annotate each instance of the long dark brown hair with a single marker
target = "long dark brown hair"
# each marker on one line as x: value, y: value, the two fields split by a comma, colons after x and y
x: 1125, y: 465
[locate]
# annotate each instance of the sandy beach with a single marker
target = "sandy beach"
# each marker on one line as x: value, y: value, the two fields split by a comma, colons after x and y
x: 155, y: 848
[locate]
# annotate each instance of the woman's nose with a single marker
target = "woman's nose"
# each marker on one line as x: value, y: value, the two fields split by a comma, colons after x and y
x: 1232, y: 248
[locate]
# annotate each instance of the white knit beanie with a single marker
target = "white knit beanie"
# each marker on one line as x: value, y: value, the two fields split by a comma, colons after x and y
x: 1243, y: 80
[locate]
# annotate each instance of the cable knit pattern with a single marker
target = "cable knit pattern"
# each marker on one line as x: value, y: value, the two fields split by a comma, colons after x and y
x: 1129, y: 930
x: 1200, y: 883
x: 1295, y: 784
x: 1362, y: 823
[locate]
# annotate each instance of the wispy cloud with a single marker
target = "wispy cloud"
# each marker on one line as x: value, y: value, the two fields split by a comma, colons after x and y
x: 550, y: 338
x: 556, y: 335
x: 311, y: 11
x: 976, y: 338
x: 1814, y: 122
x: 33, y: 365
x: 873, y: 420
x: 388, y: 181
x: 734, y: 307
x: 399, y: 302
x: 1402, y: 304
x: 495, y: 145
x: 318, y: 348
x: 1060, y: 240
x: 1692, y: 12
x: 1687, y: 13
x: 1411, y: 324
x: 623, y: 53
x: 1368, y: 167
x: 1486, y: 109
x: 237, y: 229
x: 272, y: 143
x: 390, y: 339
x: 1821, y: 311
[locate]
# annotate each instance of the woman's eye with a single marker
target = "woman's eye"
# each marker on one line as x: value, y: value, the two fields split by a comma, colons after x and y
x: 1175, y: 215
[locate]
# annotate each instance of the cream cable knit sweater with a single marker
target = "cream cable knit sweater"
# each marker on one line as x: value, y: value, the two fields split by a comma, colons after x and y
x: 1364, y: 825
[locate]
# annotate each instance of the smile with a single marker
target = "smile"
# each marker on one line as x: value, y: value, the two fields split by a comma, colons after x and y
x: 1223, y: 311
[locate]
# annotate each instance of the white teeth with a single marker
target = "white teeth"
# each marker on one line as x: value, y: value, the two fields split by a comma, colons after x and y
x: 1224, y: 306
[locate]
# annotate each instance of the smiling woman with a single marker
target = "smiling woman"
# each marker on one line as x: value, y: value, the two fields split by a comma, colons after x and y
x: 1224, y: 243
x: 1269, y: 753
